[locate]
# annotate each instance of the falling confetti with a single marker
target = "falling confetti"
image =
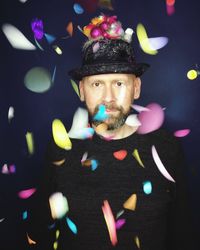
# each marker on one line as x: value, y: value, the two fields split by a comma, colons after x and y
x: 10, y: 113
x: 12, y: 169
x: 133, y: 121
x: 119, y: 223
x: 94, y: 164
x: 50, y: 38
x: 78, y: 8
x: 71, y: 225
x: 55, y: 245
x: 147, y: 187
x: 139, y: 108
x: 120, y: 155
x: 84, y: 157
x: 119, y: 213
x: 137, y: 157
x: 23, y: 1
x: 25, y: 194
x: 170, y: 7
x: 2, y: 219
x: 57, y: 234
x: 131, y: 202
x: 192, y: 74
x: 39, y: 46
x: 30, y: 142
x: 160, y: 165
x: 30, y: 241
x: 24, y: 215
x: 151, y: 120
x: 16, y: 38
x: 158, y: 42
x: 60, y: 135
x: 75, y: 87
x: 182, y: 133
x: 101, y: 128
x: 57, y: 50
x: 144, y: 41
x: 37, y: 28
x: 38, y: 80
x: 58, y: 205
x: 70, y: 28
x: 110, y: 221
x: 5, y: 169
x: 54, y: 75
x: 101, y: 114
x: 137, y: 241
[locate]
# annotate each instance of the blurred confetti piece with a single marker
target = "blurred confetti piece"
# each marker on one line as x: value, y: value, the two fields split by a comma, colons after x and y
x: 51, y: 226
x: 54, y: 75
x: 139, y: 108
x: 39, y: 46
x: 137, y: 157
x: 30, y: 241
x: 37, y: 28
x: 105, y: 4
x: 147, y: 187
x: 71, y: 225
x: 57, y: 50
x: 110, y: 221
x: 10, y: 113
x: 38, y: 80
x: 55, y: 245
x: 30, y: 142
x: 84, y: 157
x: 144, y: 41
x: 12, y: 169
x: 4, y: 169
x: 23, y: 1
x: 2, y: 219
x: 50, y: 38
x: 131, y: 202
x: 151, y: 120
x: 192, y: 74
x: 101, y: 114
x: 86, y: 163
x: 182, y: 133
x: 170, y: 2
x: 78, y: 8
x: 58, y: 205
x: 101, y: 128
x: 60, y: 135
x: 75, y: 87
x: 133, y: 121
x: 16, y: 38
x: 80, y: 29
x: 119, y: 213
x: 24, y: 215
x: 160, y: 165
x: 120, y: 155
x: 95, y: 47
x: 170, y: 7
x: 25, y: 194
x: 137, y: 241
x: 57, y: 234
x: 158, y: 42
x: 119, y: 223
x: 70, y: 28
x: 94, y: 164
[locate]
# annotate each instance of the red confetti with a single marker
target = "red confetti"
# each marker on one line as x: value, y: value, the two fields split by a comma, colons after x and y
x: 120, y: 155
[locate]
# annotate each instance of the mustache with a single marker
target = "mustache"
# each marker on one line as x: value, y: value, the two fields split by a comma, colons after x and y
x: 111, y: 106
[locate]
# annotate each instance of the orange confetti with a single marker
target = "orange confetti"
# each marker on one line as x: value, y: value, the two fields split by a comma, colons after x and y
x: 30, y: 241
x: 131, y: 202
x: 70, y: 28
x: 120, y: 155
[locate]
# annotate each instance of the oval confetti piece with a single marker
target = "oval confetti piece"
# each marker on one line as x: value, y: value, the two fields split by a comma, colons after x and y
x: 151, y: 120
x: 160, y: 165
x: 147, y: 187
x: 38, y: 80
x: 30, y: 142
x: 84, y: 157
x: 57, y: 234
x: 158, y: 42
x: 25, y: 194
x: 94, y: 164
x: 60, y: 135
x: 137, y: 157
x: 110, y: 222
x: 78, y: 8
x: 70, y: 28
x: 139, y: 108
x: 71, y: 225
x: 119, y: 223
x: 131, y: 202
x: 119, y: 213
x: 55, y: 245
x: 192, y: 74
x: 101, y: 128
x: 57, y: 50
x: 16, y: 38
x: 133, y: 121
x: 120, y: 155
x: 137, y: 241
x: 30, y: 241
x: 12, y: 169
x: 182, y: 133
x: 10, y: 113
x: 2, y: 219
x: 75, y: 87
x: 24, y: 215
x: 58, y: 205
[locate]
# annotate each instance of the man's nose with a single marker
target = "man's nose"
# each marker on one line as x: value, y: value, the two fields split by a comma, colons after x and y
x: 108, y: 94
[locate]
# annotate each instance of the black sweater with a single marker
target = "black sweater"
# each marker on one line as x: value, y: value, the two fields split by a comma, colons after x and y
x: 161, y: 218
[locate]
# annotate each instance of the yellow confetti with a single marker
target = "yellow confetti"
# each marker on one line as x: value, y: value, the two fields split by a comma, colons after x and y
x: 144, y: 41
x: 57, y: 50
x: 55, y: 245
x: 75, y: 87
x: 137, y: 157
x: 137, y: 241
x: 192, y: 74
x: 30, y: 142
x: 30, y: 241
x: 131, y: 202
x: 57, y: 234
x: 60, y: 135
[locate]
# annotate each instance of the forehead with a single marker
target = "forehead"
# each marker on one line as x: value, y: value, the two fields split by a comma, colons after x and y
x: 109, y: 77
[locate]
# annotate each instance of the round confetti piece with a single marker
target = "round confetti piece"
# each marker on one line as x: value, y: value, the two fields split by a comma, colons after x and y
x: 101, y: 128
x: 78, y: 8
x: 58, y: 205
x: 147, y: 187
x: 192, y: 74
x: 55, y: 245
x: 25, y: 194
x: 120, y: 155
x: 60, y: 135
x: 182, y: 133
x: 131, y: 202
x: 38, y: 80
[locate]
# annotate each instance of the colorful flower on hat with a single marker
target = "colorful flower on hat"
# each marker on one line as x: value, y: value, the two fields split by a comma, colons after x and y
x: 104, y: 27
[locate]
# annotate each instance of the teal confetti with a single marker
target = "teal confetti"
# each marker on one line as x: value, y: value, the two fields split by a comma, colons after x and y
x: 50, y: 38
x: 24, y: 215
x: 71, y: 225
x: 147, y: 187
x: 94, y: 164
x: 78, y: 8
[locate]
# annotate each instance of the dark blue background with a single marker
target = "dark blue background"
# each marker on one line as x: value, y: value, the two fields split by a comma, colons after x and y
x: 165, y: 83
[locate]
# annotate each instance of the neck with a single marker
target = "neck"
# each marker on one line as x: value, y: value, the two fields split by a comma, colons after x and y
x: 120, y: 133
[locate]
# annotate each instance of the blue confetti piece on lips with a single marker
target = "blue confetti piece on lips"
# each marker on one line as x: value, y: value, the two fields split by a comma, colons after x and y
x: 101, y: 114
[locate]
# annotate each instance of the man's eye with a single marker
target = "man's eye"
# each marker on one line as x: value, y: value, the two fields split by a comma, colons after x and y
x: 119, y: 83
x: 96, y: 84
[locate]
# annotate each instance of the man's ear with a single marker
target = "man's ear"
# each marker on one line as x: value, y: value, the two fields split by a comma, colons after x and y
x: 137, y: 87
x: 82, y: 98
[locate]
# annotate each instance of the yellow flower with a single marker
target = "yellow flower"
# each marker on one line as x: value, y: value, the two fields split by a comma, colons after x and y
x: 97, y: 20
x: 86, y: 31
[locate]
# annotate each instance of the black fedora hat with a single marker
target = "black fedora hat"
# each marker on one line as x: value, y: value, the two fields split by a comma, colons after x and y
x: 108, y: 53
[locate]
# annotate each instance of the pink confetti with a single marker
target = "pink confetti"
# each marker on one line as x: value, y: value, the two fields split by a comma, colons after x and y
x: 110, y: 221
x: 25, y: 194
x: 12, y: 169
x: 181, y: 133
x: 95, y: 47
x: 4, y: 169
x: 160, y: 165
x: 119, y: 223
x: 139, y: 108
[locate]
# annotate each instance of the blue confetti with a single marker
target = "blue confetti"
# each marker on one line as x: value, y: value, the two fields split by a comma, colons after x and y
x: 94, y: 164
x: 78, y: 8
x: 71, y: 225
x: 24, y: 215
x: 101, y: 114
x: 50, y: 38
x: 147, y: 187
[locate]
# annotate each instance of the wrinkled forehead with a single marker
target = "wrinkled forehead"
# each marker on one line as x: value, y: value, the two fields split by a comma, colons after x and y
x: 109, y: 77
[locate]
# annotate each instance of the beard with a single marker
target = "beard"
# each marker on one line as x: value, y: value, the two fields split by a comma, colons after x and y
x: 113, y: 121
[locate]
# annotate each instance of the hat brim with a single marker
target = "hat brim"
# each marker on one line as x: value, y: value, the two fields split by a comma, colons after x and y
x: 97, y: 69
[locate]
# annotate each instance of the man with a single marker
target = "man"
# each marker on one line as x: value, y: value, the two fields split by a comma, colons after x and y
x: 119, y: 193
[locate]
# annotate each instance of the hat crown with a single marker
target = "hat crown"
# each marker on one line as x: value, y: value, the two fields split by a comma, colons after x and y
x: 108, y: 51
